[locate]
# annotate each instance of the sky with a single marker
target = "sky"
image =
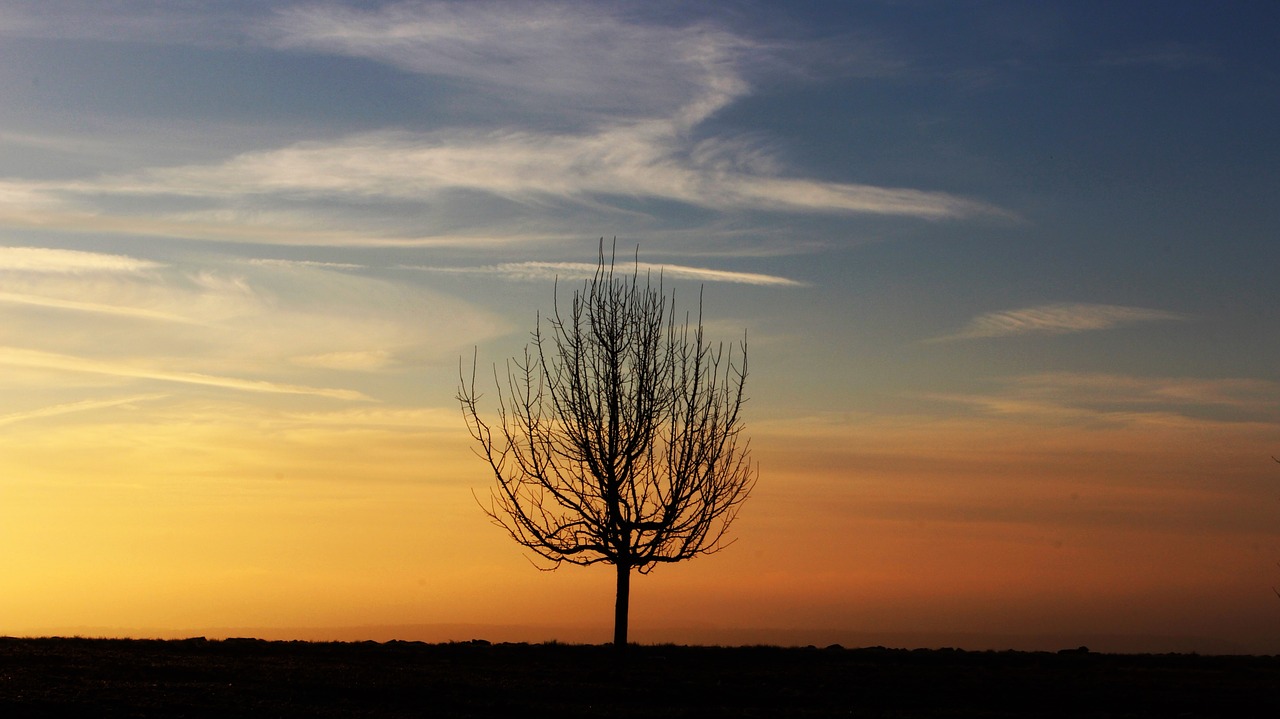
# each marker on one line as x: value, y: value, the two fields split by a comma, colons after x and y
x: 1007, y: 273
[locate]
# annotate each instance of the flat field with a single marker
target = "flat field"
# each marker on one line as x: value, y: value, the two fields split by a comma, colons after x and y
x: 246, y: 677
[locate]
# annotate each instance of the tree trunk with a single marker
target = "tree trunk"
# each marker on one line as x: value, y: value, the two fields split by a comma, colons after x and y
x: 621, y: 606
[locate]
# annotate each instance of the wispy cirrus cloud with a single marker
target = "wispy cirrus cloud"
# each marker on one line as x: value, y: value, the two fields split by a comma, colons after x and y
x: 1074, y: 396
x: 1166, y: 56
x: 69, y: 207
x: 69, y: 279
x: 73, y: 407
x: 306, y: 263
x: 617, y: 97
x: 675, y: 77
x: 18, y: 298
x: 56, y: 261
x: 19, y: 357
x: 1055, y: 319
x: 1234, y: 392
x: 228, y: 318
x: 556, y: 53
x: 411, y: 419
x: 359, y: 360
x: 646, y: 159
x: 537, y: 271
x: 606, y: 170
x: 113, y: 22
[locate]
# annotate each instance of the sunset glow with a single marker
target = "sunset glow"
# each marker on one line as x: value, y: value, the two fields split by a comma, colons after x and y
x: 1007, y: 274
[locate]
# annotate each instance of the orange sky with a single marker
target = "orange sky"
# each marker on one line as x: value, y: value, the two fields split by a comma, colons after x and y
x: 1007, y: 272
x: 1010, y: 529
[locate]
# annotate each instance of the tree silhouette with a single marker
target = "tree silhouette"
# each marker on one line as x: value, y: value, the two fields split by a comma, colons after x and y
x: 617, y: 437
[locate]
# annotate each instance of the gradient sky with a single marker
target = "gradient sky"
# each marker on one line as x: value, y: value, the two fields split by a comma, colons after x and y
x: 1009, y: 273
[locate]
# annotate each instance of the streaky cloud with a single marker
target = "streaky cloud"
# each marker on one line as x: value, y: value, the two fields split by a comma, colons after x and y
x: 1084, y: 396
x: 355, y: 360
x: 125, y: 21
x: 73, y: 407
x: 1056, y: 319
x: 306, y: 263
x: 1228, y: 392
x: 536, y: 271
x: 643, y: 159
x: 1166, y: 56
x: 558, y: 53
x: 610, y: 149
x: 48, y: 260
x: 411, y: 419
x: 36, y: 359
x: 92, y: 307
x: 297, y: 229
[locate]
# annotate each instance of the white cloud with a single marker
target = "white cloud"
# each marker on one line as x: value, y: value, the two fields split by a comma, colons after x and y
x: 46, y: 260
x: 72, y: 407
x: 1237, y: 393
x: 307, y: 263
x: 120, y: 21
x: 312, y: 226
x: 537, y: 271
x: 19, y: 357
x: 1166, y: 56
x: 639, y: 160
x: 413, y: 419
x: 235, y: 318
x: 19, y: 198
x: 1126, y: 399
x: 92, y: 307
x: 622, y: 93
x: 1056, y: 319
x: 83, y: 282
x: 586, y: 56
x: 320, y: 317
x: 355, y: 360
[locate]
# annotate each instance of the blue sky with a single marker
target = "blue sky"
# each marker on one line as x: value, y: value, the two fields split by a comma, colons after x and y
x: 941, y: 225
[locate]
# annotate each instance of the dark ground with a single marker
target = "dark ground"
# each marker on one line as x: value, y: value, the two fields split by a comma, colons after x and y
x: 237, y: 677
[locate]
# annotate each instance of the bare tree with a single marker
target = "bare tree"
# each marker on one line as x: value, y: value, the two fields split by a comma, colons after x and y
x: 617, y: 437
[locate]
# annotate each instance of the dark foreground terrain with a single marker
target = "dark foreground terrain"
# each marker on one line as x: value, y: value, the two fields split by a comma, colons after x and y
x: 199, y: 678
